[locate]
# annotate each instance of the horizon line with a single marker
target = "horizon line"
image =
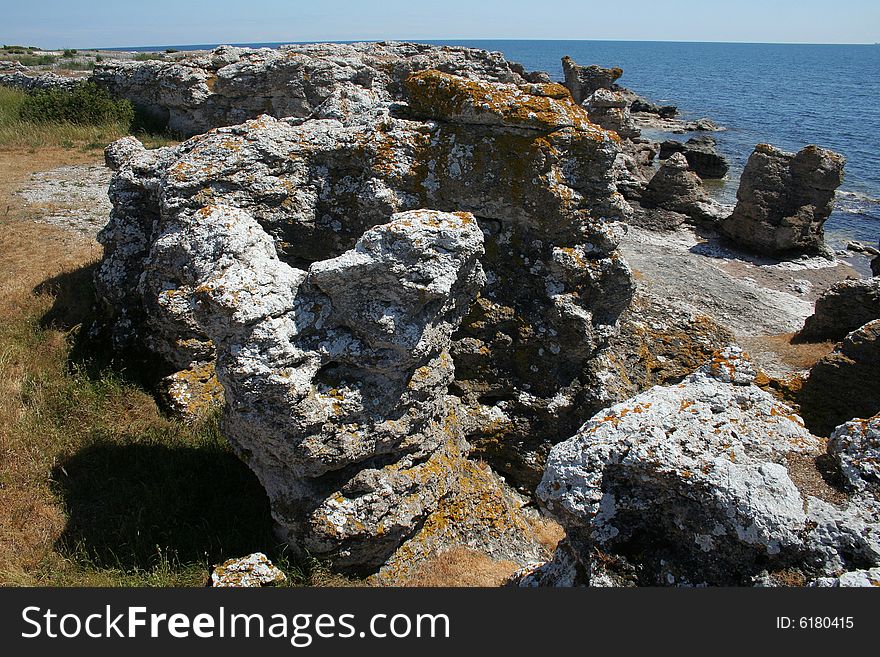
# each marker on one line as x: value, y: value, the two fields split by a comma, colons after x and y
x: 478, y: 39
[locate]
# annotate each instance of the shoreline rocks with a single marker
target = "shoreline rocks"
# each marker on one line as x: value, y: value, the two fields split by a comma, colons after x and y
x: 784, y: 199
x: 701, y: 156
x: 841, y: 309
x: 698, y: 484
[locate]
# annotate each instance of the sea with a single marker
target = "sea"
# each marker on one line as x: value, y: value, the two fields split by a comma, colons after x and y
x: 784, y: 94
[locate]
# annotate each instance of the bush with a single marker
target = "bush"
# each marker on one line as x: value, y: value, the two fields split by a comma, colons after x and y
x: 147, y: 56
x: 87, y: 104
x: 37, y: 60
x: 68, y: 53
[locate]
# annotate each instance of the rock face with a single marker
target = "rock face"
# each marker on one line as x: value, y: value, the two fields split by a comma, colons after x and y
x: 338, y: 323
x: 843, y: 308
x: 693, y: 484
x: 583, y: 81
x: 674, y: 187
x: 345, y: 82
x: 784, y: 199
x: 39, y: 82
x: 856, y: 447
x: 608, y: 109
x: 701, y: 156
x: 844, y: 384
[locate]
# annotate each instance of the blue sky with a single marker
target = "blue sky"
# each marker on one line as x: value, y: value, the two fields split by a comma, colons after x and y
x: 117, y: 23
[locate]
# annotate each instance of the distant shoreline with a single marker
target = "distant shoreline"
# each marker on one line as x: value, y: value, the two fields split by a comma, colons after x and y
x: 277, y: 44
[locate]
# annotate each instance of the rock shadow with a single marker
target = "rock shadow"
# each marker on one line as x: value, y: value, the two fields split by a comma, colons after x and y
x: 74, y: 311
x: 127, y: 502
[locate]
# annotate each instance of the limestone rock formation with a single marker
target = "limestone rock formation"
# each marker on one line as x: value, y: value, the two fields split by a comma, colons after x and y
x: 701, y: 155
x: 252, y: 571
x: 27, y: 81
x: 844, y: 384
x: 784, y: 199
x: 842, y: 308
x: 583, y: 81
x: 693, y: 484
x: 856, y: 447
x: 674, y: 187
x: 608, y: 109
x: 347, y: 82
x: 266, y: 246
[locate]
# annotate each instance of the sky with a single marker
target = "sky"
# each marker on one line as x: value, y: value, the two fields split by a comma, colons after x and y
x: 120, y: 23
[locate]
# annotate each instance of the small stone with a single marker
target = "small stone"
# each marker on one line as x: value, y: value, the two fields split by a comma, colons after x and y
x: 254, y: 570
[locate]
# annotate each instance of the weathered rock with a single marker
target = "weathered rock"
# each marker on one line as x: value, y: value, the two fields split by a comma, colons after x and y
x: 252, y: 571
x: 843, y: 308
x: 844, y: 384
x: 855, y: 446
x: 855, y: 578
x: 674, y: 187
x: 875, y: 266
x: 639, y: 104
x: 691, y: 484
x: 27, y: 81
x: 608, y: 109
x: 583, y: 81
x: 284, y: 202
x: 350, y: 83
x: 784, y: 199
x: 701, y: 156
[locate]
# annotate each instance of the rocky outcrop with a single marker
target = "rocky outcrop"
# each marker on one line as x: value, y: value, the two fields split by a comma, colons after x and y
x: 337, y: 334
x: 701, y: 156
x: 347, y: 82
x: 608, y: 109
x: 583, y: 81
x: 842, y: 308
x: 699, y: 483
x: 26, y: 81
x: 844, y: 384
x: 784, y: 199
x: 674, y: 187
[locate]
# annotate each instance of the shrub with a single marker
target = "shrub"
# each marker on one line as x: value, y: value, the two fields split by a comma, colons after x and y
x: 37, y: 60
x: 68, y: 53
x: 87, y: 104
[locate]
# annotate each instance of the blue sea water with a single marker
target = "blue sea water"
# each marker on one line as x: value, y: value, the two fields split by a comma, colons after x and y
x: 787, y: 95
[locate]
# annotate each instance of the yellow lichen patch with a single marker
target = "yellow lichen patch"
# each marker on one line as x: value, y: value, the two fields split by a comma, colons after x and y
x: 539, y: 107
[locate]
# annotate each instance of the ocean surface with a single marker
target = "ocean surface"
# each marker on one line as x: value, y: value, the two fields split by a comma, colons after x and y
x: 786, y: 95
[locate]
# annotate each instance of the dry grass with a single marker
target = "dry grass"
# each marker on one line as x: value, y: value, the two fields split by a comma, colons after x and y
x: 97, y: 485
x: 462, y: 567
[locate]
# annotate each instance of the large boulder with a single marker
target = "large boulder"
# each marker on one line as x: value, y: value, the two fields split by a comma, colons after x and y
x: 844, y: 384
x: 305, y: 209
x: 699, y: 483
x: 674, y: 187
x: 701, y: 155
x: 784, y: 199
x: 583, y: 81
x: 346, y: 82
x: 842, y: 308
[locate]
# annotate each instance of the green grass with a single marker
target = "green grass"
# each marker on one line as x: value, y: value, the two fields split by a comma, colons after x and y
x: 19, y: 132
x: 36, y: 60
